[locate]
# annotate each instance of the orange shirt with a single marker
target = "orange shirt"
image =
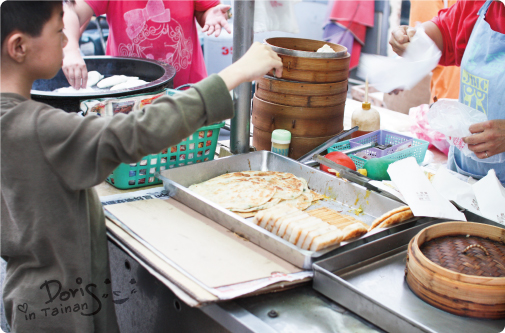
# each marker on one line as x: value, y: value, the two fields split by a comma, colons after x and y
x: 445, y: 80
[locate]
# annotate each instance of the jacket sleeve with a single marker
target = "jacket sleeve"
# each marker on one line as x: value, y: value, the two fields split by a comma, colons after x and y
x: 83, y: 151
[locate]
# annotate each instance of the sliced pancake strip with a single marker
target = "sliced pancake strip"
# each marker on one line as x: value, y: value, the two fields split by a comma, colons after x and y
x: 387, y: 215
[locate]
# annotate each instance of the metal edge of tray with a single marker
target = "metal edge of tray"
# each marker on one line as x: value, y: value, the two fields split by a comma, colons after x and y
x: 344, y: 293
x: 328, y: 282
x: 261, y: 160
x: 246, y: 229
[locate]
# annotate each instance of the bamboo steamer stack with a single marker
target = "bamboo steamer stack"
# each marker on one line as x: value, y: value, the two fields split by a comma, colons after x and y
x: 459, y: 267
x: 308, y: 101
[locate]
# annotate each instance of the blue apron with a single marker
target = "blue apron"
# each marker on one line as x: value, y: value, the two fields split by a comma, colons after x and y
x: 482, y: 88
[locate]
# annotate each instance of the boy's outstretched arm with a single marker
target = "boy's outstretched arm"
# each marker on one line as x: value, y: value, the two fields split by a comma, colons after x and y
x: 74, y: 67
x: 255, y: 63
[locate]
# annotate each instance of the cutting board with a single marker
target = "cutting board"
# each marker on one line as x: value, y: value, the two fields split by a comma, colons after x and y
x: 202, y: 248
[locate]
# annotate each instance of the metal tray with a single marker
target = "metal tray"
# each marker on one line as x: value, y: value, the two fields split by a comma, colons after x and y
x: 369, y: 281
x: 345, y: 197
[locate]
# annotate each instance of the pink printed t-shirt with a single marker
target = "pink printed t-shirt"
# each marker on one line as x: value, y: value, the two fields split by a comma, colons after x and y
x: 159, y: 30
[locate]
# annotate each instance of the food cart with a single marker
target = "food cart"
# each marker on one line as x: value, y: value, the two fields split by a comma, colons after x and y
x: 180, y: 263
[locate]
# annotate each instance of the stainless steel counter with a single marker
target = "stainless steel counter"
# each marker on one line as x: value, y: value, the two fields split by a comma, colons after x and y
x: 144, y: 304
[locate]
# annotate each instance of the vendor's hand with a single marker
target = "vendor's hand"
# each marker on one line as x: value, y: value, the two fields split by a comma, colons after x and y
x: 75, y: 69
x: 395, y: 92
x: 400, y: 38
x: 255, y: 63
x: 488, y: 138
x: 216, y: 18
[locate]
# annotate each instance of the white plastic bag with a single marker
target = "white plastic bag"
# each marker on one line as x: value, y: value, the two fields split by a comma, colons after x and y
x: 454, y: 119
x: 275, y: 16
x: 387, y: 74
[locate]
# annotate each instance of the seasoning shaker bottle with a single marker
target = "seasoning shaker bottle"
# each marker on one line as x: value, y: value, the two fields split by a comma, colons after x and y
x: 366, y: 118
x: 280, y: 141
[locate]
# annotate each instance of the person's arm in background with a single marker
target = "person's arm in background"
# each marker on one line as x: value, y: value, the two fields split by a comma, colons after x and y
x: 213, y: 19
x: 451, y: 36
x: 74, y: 67
x: 400, y: 37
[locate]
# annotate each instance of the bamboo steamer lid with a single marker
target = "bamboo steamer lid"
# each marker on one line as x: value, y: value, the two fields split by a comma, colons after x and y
x: 459, y: 267
x: 299, y: 146
x: 302, y: 63
x: 301, y: 93
x: 300, y: 121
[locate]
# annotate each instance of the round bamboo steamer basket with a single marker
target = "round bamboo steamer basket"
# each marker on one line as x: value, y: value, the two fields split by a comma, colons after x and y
x: 472, y: 295
x: 302, y: 63
x: 301, y: 93
x: 314, y: 70
x: 312, y: 122
x: 298, y: 147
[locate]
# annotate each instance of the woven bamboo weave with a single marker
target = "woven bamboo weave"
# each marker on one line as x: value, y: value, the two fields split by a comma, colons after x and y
x: 483, y: 257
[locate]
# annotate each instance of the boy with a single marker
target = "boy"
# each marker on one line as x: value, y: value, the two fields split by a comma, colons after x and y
x: 53, y: 230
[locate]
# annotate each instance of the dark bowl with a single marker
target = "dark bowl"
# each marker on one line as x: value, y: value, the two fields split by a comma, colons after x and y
x: 159, y: 75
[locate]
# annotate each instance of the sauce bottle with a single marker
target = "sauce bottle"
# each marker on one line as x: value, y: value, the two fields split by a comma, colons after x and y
x: 366, y: 118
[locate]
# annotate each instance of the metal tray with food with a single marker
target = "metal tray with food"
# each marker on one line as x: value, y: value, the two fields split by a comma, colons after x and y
x: 370, y: 280
x: 341, y: 196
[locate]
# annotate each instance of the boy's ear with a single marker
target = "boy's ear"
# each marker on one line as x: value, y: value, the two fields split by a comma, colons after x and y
x: 16, y: 45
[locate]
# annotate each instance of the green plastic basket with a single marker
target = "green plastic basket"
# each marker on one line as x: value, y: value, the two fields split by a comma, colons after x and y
x: 418, y: 150
x: 198, y: 147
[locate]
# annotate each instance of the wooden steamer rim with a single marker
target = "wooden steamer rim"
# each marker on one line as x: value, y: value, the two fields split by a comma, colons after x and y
x: 300, y: 121
x: 305, y: 48
x: 302, y: 63
x: 308, y: 94
x: 457, y: 293
x: 282, y: 86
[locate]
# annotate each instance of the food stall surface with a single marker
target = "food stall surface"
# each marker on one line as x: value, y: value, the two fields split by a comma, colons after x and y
x: 154, y: 307
x: 370, y: 280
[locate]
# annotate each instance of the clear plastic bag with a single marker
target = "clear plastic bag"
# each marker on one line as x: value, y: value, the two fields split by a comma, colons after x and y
x: 423, y: 130
x: 454, y: 119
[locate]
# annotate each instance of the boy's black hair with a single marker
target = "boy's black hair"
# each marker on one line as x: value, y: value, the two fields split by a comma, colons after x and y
x: 26, y: 16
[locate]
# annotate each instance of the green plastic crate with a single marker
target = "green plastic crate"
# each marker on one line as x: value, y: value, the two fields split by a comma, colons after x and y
x: 198, y: 147
x: 418, y: 150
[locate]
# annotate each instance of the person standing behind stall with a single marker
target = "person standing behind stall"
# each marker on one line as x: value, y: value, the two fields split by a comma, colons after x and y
x: 471, y: 34
x: 53, y: 227
x: 444, y: 79
x: 155, y: 29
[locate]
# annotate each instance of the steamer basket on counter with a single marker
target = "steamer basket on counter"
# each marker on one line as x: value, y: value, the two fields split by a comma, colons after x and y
x: 459, y: 267
x: 302, y: 63
x: 308, y: 100
x: 301, y: 93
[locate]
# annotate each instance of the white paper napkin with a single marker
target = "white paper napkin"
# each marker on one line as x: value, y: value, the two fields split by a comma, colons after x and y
x: 387, y: 73
x: 452, y: 188
x: 419, y: 193
x: 490, y: 195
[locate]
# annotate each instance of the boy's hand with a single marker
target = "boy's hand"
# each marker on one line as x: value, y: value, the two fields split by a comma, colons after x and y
x: 255, y: 63
x: 216, y: 18
x: 75, y: 69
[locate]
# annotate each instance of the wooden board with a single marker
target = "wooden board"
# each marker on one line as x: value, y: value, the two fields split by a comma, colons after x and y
x: 207, y: 251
